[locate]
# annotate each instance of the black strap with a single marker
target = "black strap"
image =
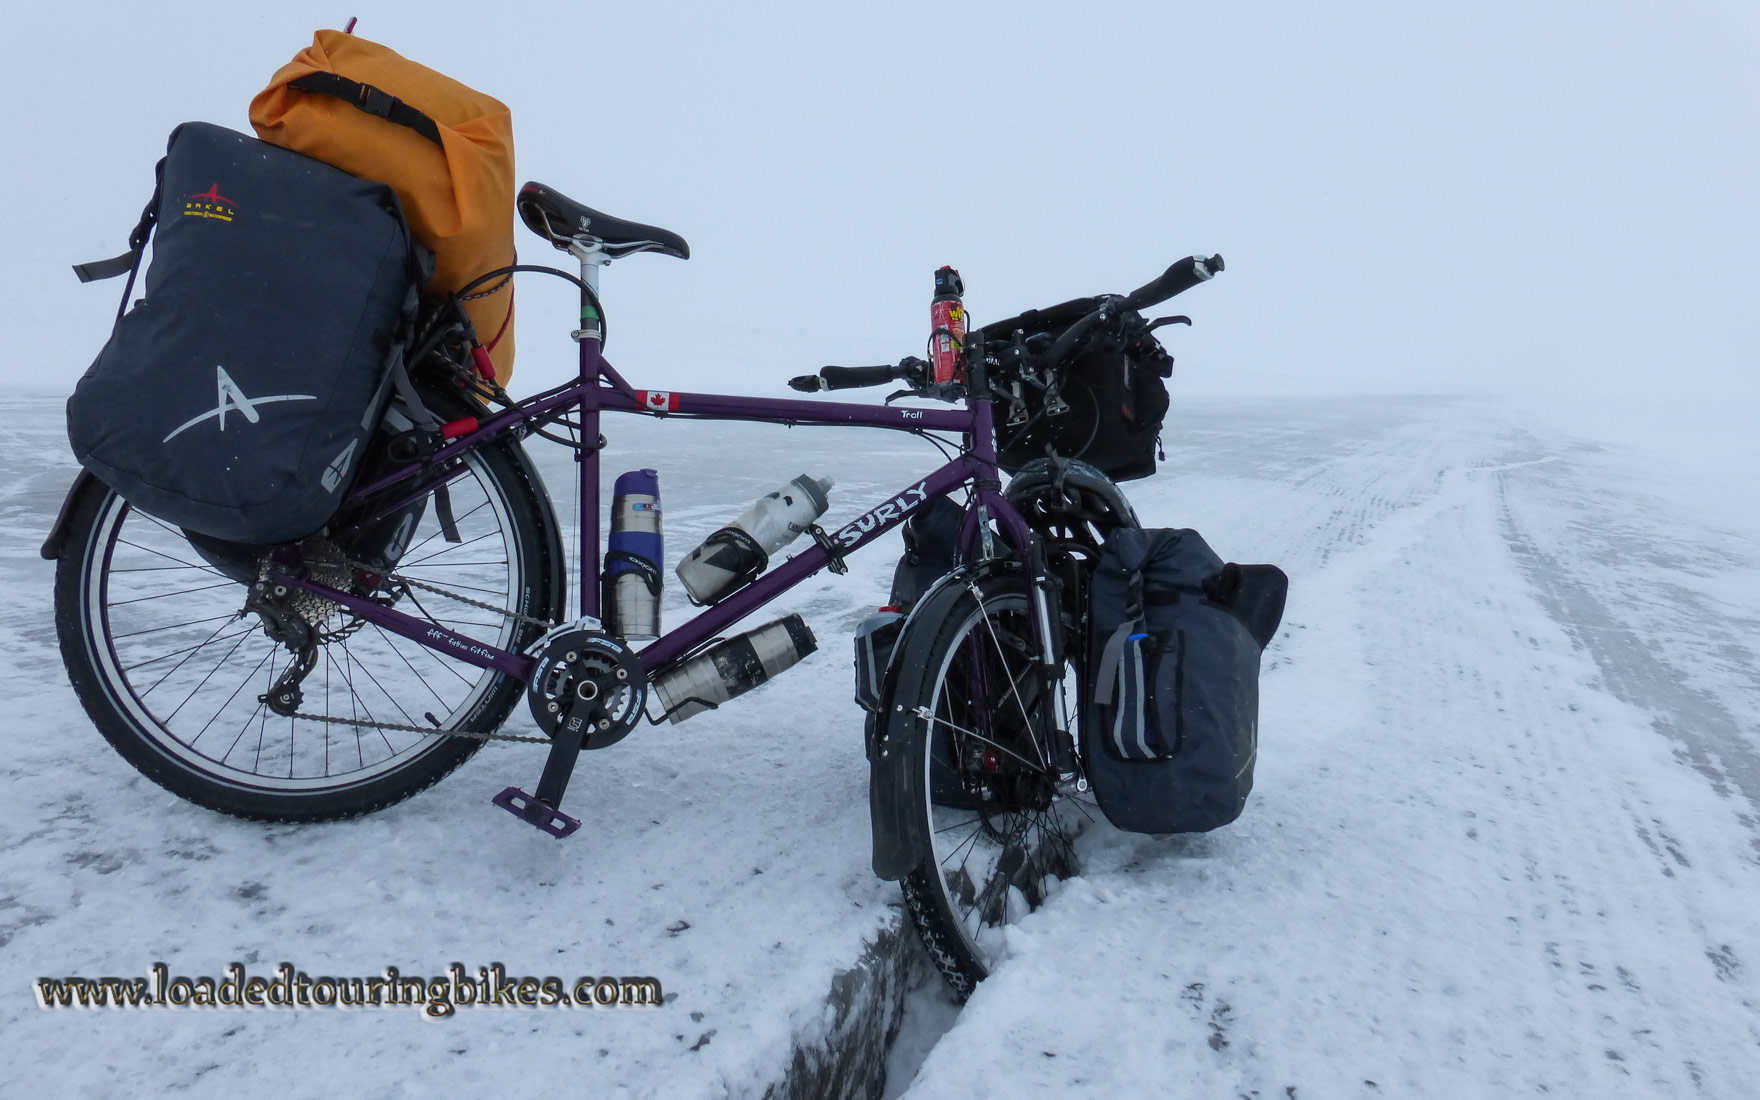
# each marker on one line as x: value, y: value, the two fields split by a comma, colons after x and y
x: 129, y: 262
x: 645, y: 569
x: 108, y: 269
x: 443, y: 513
x: 371, y: 100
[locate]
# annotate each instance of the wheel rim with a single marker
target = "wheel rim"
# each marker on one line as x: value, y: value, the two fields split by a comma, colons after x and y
x: 164, y: 632
x: 991, y: 862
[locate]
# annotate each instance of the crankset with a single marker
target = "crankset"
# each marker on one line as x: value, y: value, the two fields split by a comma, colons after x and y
x: 587, y: 692
x: 587, y: 685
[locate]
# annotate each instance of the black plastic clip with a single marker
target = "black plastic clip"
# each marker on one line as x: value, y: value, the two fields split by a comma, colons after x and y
x: 837, y: 564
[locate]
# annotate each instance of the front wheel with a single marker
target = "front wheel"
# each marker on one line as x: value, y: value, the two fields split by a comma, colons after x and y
x: 999, y: 832
x: 176, y: 672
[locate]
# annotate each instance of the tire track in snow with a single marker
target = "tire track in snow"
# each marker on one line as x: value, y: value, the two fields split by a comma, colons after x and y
x: 1468, y: 869
x: 1716, y: 730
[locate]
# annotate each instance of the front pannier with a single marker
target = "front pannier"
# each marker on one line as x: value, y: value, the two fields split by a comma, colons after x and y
x: 237, y: 398
x: 1173, y: 722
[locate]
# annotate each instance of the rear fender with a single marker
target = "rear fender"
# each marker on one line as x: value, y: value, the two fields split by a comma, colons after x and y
x: 57, y: 540
x: 555, y: 557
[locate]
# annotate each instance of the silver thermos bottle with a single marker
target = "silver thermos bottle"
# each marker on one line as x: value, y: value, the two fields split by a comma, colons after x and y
x: 733, y: 667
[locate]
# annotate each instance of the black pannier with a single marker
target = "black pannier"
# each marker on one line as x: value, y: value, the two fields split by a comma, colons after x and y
x: 931, y: 541
x: 1173, y: 722
x: 1105, y: 407
x: 236, y: 399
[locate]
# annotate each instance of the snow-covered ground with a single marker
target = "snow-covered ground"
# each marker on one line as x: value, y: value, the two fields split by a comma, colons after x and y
x: 1503, y: 840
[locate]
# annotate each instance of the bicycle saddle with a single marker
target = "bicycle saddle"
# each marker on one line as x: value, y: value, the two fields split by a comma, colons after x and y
x: 559, y: 220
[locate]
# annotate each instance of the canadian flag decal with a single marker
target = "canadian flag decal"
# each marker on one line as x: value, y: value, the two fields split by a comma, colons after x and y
x: 659, y: 400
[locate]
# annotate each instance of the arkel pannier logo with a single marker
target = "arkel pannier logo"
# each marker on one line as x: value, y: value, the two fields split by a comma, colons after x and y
x: 210, y: 204
x: 232, y: 399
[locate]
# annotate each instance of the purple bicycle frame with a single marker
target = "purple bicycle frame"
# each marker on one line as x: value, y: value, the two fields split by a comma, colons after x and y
x: 601, y: 389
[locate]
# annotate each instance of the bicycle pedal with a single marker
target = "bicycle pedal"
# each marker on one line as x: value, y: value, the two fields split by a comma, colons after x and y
x: 536, y: 812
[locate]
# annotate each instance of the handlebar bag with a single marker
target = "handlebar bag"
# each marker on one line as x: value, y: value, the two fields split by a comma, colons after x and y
x: 446, y: 148
x: 1105, y: 404
x: 237, y: 397
x: 1172, y: 722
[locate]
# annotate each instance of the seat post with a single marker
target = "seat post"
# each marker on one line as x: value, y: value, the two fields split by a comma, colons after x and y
x: 590, y: 336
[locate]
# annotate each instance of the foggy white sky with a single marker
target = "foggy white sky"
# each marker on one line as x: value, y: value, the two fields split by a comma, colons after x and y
x: 1551, y: 199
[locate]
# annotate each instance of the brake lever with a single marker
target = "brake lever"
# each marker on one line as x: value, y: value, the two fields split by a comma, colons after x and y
x: 1181, y: 319
x: 951, y: 392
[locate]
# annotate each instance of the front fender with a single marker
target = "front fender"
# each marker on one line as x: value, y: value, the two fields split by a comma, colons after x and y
x: 895, y: 751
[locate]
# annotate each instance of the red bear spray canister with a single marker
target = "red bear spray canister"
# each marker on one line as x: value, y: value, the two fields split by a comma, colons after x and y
x: 947, y: 326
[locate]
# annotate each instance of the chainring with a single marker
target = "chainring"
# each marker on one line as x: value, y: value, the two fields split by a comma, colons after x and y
x: 586, y: 682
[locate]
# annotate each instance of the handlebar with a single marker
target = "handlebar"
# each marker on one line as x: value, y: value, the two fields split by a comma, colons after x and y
x: 1182, y: 276
x: 851, y: 378
x: 1074, y: 334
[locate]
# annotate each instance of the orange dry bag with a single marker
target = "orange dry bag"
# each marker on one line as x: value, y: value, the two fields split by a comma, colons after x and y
x: 445, y: 149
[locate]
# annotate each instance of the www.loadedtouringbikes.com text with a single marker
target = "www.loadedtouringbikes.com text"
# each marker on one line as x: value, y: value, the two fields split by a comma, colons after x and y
x: 489, y: 987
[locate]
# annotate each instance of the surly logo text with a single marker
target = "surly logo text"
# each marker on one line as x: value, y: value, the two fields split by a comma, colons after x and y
x: 896, y: 509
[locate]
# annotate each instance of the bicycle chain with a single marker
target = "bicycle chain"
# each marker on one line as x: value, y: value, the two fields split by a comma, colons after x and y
x: 426, y: 587
x: 429, y: 731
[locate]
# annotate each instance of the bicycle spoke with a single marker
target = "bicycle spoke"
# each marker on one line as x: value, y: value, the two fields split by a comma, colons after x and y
x: 1013, y: 681
x: 449, y: 548
x: 411, y: 667
x: 169, y: 557
x: 267, y: 658
x: 348, y: 658
x: 179, y: 592
x: 449, y: 565
x: 180, y: 664
x: 174, y: 626
x: 1034, y: 764
x: 369, y: 674
x: 456, y: 520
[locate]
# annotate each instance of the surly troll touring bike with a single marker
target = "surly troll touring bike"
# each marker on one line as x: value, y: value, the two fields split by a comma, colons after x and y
x: 339, y: 675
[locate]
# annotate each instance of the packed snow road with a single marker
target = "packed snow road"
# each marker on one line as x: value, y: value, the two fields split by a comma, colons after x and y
x: 1503, y: 840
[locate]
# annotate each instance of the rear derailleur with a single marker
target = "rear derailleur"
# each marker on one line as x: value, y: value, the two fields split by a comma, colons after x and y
x: 295, y: 618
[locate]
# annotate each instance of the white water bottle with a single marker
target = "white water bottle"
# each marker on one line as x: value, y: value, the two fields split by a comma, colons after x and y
x: 732, y: 556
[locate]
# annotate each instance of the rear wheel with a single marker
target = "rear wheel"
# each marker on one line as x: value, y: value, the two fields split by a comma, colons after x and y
x: 999, y: 834
x: 174, y: 670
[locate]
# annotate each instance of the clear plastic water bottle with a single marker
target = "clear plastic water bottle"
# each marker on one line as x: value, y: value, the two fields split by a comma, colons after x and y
x: 732, y: 556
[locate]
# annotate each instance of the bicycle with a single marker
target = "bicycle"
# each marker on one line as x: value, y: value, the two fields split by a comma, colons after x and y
x: 389, y: 647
